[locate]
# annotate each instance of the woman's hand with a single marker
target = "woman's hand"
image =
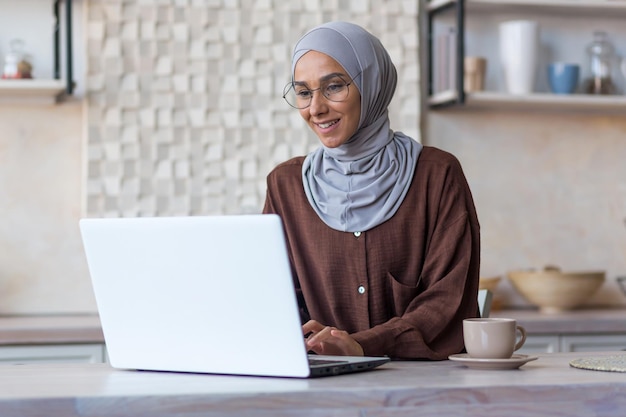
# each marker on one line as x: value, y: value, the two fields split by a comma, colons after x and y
x: 326, y: 340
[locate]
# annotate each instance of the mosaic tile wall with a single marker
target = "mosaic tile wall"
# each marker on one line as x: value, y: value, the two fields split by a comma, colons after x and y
x: 185, y: 114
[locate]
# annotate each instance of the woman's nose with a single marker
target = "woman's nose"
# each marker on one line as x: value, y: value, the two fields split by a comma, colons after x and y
x: 318, y: 103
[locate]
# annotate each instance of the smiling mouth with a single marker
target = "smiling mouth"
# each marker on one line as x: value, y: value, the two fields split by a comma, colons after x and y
x: 327, y: 124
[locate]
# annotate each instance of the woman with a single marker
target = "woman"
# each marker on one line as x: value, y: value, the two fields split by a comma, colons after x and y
x: 382, y: 233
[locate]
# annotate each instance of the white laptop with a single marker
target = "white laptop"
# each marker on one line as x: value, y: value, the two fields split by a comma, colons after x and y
x: 207, y: 294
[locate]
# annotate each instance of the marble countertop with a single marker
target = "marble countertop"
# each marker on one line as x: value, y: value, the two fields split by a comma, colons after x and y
x: 546, y: 386
x: 57, y: 329
x: 582, y: 321
x: 53, y: 329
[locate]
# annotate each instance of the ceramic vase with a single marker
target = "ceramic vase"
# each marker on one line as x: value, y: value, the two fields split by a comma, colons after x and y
x: 475, y: 68
x: 519, y: 50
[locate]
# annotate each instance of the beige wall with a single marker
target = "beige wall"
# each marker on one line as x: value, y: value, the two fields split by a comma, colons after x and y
x: 41, y: 180
x: 550, y: 189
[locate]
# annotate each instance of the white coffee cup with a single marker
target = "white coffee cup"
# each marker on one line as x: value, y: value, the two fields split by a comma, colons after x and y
x: 492, y: 338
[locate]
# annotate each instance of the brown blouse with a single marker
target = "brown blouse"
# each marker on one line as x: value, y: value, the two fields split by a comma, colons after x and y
x: 403, y: 288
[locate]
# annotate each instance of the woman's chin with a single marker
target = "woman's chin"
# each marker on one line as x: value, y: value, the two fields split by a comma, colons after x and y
x: 331, y: 142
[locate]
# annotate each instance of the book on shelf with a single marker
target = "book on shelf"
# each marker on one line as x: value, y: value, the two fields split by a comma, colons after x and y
x: 445, y: 61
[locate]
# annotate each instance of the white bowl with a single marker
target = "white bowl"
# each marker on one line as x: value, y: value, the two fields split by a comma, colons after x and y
x: 553, y: 291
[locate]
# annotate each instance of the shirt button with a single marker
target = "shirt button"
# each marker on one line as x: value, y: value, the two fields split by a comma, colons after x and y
x: 361, y: 290
x: 357, y: 234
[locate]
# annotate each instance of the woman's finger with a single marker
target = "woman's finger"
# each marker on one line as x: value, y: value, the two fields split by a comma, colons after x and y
x: 319, y: 337
x: 312, y: 326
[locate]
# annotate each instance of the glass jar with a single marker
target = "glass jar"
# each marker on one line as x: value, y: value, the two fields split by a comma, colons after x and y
x: 16, y: 63
x: 601, y: 55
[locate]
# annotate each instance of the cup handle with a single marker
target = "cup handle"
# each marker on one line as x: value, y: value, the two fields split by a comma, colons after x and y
x: 622, y: 280
x: 522, y: 338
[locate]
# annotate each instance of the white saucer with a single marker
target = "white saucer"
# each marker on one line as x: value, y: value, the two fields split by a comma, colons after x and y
x: 513, y: 362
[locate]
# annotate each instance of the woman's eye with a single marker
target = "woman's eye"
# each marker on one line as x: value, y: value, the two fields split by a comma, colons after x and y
x: 303, y: 93
x: 335, y: 87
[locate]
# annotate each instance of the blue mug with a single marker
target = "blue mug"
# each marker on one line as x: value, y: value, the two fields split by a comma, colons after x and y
x: 563, y: 77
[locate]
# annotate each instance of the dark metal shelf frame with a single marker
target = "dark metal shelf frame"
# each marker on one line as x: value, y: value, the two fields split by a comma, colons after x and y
x: 68, y: 43
x: 433, y: 9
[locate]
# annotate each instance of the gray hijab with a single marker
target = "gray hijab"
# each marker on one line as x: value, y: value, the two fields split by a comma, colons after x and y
x: 362, y: 183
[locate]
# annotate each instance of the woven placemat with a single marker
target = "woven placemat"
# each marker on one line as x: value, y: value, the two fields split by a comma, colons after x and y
x: 615, y: 363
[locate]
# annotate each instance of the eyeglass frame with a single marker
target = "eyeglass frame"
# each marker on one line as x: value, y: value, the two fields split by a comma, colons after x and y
x: 291, y: 85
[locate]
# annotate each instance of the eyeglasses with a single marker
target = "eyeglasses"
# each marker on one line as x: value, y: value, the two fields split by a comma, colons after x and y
x: 299, y: 96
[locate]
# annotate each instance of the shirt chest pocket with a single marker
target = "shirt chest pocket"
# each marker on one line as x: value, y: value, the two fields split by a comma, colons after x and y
x: 401, y: 294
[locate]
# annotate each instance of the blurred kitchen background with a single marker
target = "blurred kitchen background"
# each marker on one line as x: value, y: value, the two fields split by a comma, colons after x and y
x: 177, y: 110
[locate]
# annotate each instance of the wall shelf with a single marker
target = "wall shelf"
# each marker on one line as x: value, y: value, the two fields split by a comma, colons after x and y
x: 32, y: 91
x: 46, y: 90
x: 536, y: 101
x: 596, y: 8
x: 475, y: 22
